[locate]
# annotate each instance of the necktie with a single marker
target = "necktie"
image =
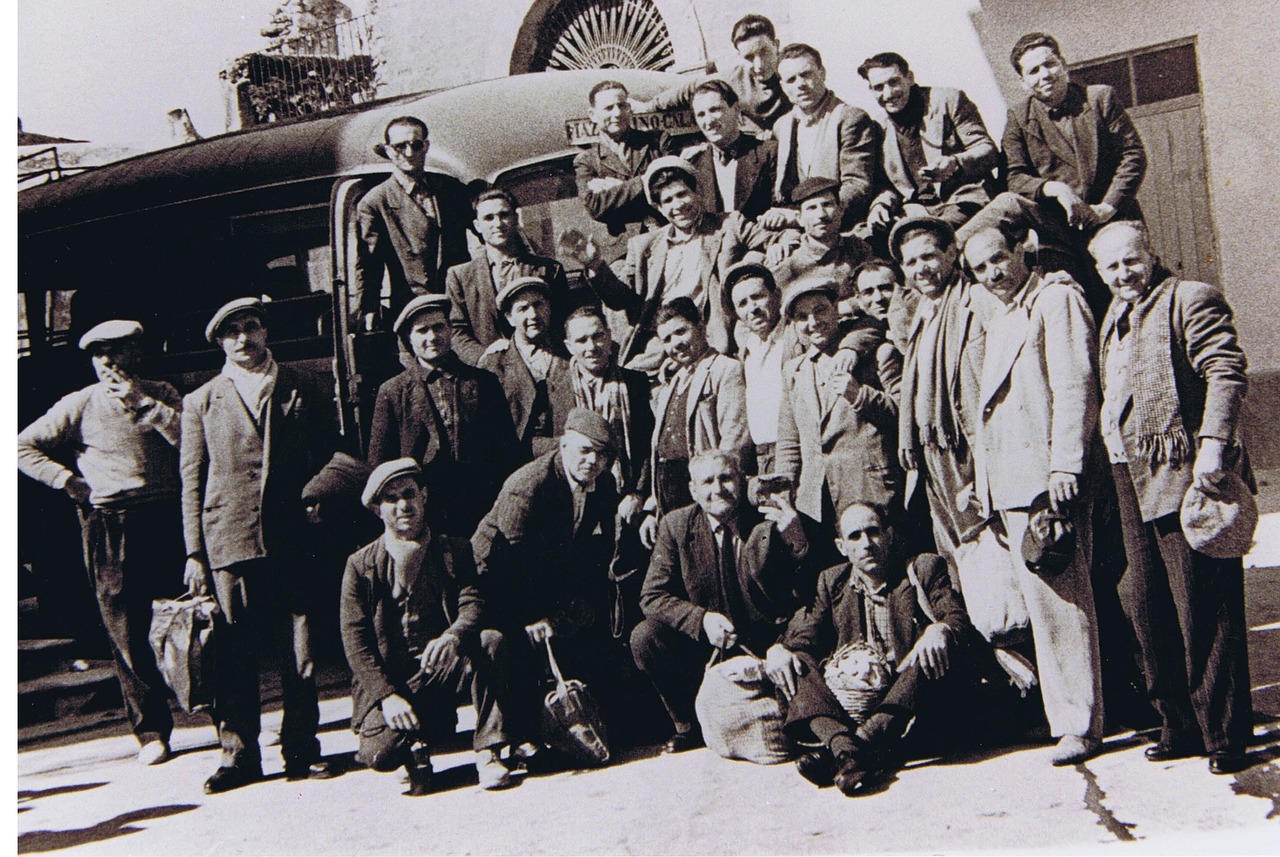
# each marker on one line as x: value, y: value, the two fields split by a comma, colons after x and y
x: 1122, y: 323
x: 728, y: 571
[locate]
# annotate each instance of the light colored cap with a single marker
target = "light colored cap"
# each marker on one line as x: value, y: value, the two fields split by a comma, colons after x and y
x: 667, y: 162
x: 110, y: 331
x: 807, y: 286
x: 383, y: 474
x: 1220, y: 525
x: 229, y: 309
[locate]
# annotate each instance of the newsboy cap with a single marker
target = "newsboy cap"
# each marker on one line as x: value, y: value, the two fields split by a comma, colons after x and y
x: 422, y: 303
x: 110, y: 331
x: 1221, y: 524
x: 382, y: 476
x: 508, y: 292
x: 590, y: 425
x: 744, y: 271
x: 811, y: 187
x: 1047, y: 550
x: 229, y: 309
x: 936, y: 225
x: 667, y: 162
x: 807, y: 286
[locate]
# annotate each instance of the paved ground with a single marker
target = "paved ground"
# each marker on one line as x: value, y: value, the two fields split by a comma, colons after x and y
x: 89, y: 795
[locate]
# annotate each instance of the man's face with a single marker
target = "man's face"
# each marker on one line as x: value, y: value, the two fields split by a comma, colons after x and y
x: 817, y: 321
x: 529, y: 315
x: 926, y: 266
x: 407, y: 147
x: 874, y: 288
x: 244, y: 339
x: 761, y: 53
x: 1044, y: 75
x: 1001, y: 270
x: 401, y: 505
x: 496, y: 222
x: 588, y: 340
x: 1124, y: 263
x: 820, y: 216
x: 865, y: 542
x: 682, y: 341
x: 679, y: 204
x: 611, y: 111
x: 717, y: 120
x: 430, y: 336
x: 110, y: 358
x: 583, y: 458
x: 891, y: 87
x: 756, y: 305
x: 803, y: 81
x: 715, y: 487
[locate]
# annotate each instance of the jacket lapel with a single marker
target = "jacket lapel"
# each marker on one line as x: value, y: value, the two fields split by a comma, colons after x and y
x: 1086, y: 128
x: 1053, y: 137
x: 1002, y: 351
x: 702, y: 550
x: 698, y: 385
x: 525, y: 391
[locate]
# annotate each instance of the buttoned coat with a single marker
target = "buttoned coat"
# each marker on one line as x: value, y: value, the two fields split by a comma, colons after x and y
x: 373, y: 636
x: 951, y: 127
x: 521, y: 392
x: 398, y: 236
x: 846, y: 148
x: 1039, y: 394
x: 625, y: 203
x: 1208, y: 369
x: 1106, y: 165
x: 473, y: 306
x: 850, y: 445
x: 683, y: 579
x: 752, y: 183
x: 242, y: 483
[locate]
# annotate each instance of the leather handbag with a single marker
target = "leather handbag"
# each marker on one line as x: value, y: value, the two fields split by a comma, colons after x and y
x: 182, y: 639
x: 739, y: 710
x: 571, y: 721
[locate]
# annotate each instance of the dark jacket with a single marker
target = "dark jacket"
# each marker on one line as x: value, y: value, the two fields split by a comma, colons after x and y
x: 522, y: 392
x: 625, y: 203
x: 381, y: 657
x: 473, y: 308
x: 753, y: 183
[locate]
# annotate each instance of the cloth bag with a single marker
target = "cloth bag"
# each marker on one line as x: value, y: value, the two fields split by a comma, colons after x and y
x: 740, y: 711
x: 571, y: 721
x: 989, y: 584
x: 182, y: 639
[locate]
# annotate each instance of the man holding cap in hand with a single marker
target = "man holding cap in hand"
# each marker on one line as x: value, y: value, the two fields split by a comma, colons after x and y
x: 123, y: 432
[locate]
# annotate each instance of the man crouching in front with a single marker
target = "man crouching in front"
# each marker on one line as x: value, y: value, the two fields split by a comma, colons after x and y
x: 411, y: 616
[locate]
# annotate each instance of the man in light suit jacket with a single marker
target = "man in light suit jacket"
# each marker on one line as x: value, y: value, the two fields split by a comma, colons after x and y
x: 252, y: 437
x: 822, y: 136
x: 413, y: 225
x: 734, y: 169
x: 719, y: 575
x: 937, y: 152
x: 1039, y: 405
x: 473, y: 286
x: 1173, y: 380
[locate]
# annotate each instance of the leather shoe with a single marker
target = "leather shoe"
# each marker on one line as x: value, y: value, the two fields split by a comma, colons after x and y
x: 419, y: 778
x: 317, y: 770
x: 818, y: 767
x: 682, y: 741
x: 853, y: 775
x: 227, y: 778
x: 1228, y: 762
x: 1167, y: 752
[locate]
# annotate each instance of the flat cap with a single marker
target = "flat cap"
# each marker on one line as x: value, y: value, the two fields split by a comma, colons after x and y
x: 1050, y: 541
x: 422, y: 303
x: 110, y: 331
x: 1220, y: 524
x: 807, y: 286
x: 590, y: 425
x: 229, y: 309
x: 744, y: 271
x: 519, y: 284
x: 666, y: 162
x: 383, y: 474
x: 936, y: 225
x: 811, y: 187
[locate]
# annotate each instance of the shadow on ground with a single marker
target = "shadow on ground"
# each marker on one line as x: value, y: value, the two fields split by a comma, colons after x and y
x: 55, y: 840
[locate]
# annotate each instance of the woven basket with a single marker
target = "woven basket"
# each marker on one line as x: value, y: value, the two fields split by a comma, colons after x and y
x: 858, y: 676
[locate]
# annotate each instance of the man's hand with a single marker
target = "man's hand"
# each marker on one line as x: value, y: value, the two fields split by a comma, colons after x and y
x: 398, y: 713
x: 77, y: 489
x: 540, y: 631
x: 123, y: 387
x: 639, y: 105
x: 932, y: 651
x: 845, y: 383
x: 845, y: 361
x: 1208, y: 470
x: 780, y: 511
x: 783, y: 669
x: 967, y: 497
x: 196, y: 576
x: 879, y: 216
x: 629, y: 507
x: 1103, y: 212
x: 719, y: 630
x: 440, y: 655
x: 649, y: 531
x: 778, y: 218
x: 580, y: 249
x: 603, y: 183
x: 907, y: 458
x: 1079, y: 213
x: 945, y: 168
x: 1063, y: 488
x: 498, y: 346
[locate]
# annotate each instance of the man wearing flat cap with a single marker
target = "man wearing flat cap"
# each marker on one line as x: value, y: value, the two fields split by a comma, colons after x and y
x: 412, y: 620
x: 686, y: 258
x: 1173, y: 385
x: 823, y: 251
x: 473, y: 286
x: 252, y: 437
x: 449, y: 417
x: 543, y: 553
x: 533, y: 373
x: 122, y: 434
x: 413, y: 226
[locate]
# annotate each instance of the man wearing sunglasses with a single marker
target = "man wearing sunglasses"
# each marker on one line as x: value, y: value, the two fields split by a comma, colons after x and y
x: 413, y: 225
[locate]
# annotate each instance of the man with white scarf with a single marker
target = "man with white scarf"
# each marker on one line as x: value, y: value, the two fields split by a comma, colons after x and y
x: 250, y: 441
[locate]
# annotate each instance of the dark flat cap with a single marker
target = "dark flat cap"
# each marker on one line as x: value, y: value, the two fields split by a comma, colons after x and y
x: 382, y: 476
x: 747, y: 270
x: 811, y: 187
x: 422, y: 303
x: 110, y: 331
x: 807, y: 286
x: 1048, y: 549
x: 229, y: 309
x: 936, y: 225
x: 518, y: 285
x: 590, y: 425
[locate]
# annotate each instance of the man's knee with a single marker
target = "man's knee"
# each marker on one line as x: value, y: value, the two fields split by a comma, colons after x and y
x: 383, y: 749
x: 646, y: 642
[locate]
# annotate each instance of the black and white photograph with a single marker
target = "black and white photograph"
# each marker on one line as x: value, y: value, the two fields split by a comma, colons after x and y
x: 647, y: 427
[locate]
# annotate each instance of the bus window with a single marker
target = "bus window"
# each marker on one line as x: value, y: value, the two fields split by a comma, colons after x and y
x: 549, y: 207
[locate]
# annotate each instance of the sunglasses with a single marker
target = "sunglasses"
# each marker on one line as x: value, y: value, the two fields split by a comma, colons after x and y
x: 408, y: 146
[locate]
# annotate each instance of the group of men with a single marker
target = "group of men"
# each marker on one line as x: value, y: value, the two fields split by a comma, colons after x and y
x: 844, y: 364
